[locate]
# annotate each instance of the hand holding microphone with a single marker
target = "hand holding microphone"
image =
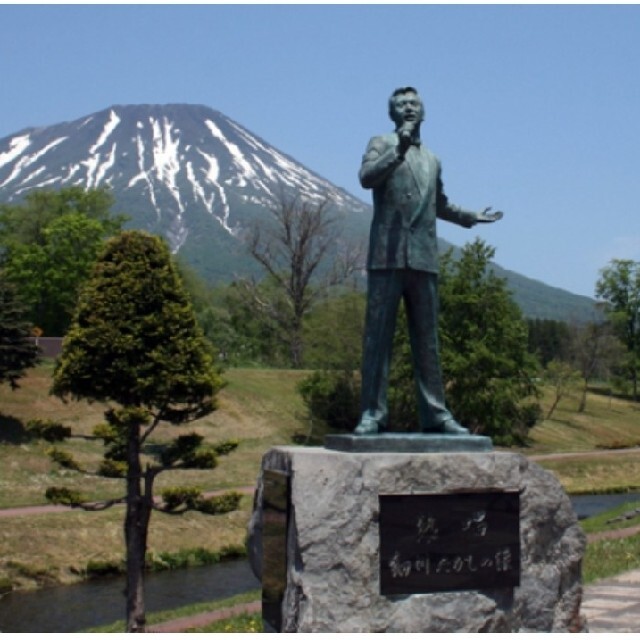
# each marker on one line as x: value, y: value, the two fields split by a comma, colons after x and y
x: 405, y: 135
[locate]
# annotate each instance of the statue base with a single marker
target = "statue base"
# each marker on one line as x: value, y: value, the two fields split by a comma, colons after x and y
x: 407, y: 443
x: 414, y: 543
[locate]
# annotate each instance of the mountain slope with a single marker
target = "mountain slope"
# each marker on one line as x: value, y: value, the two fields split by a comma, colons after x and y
x: 186, y: 172
x: 196, y: 177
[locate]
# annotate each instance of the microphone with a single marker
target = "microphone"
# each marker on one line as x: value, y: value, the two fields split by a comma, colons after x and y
x: 405, y: 132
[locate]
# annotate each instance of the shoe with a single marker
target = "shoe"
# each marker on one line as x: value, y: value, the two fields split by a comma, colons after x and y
x: 366, y: 428
x: 453, y: 428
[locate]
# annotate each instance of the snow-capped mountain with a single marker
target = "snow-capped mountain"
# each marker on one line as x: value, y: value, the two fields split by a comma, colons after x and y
x: 198, y: 178
x: 186, y: 172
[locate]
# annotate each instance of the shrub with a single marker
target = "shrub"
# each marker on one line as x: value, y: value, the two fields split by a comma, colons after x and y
x: 48, y: 430
x: 332, y: 397
x: 220, y: 504
x: 174, y: 497
x: 62, y: 495
x: 112, y: 468
x: 64, y: 459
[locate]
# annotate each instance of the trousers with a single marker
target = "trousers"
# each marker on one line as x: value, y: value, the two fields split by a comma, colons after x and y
x: 419, y: 290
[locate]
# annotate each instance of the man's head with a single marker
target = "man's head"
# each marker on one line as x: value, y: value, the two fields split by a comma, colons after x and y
x: 405, y: 104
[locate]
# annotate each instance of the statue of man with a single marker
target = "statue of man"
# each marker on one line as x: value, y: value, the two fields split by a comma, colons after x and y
x: 408, y: 196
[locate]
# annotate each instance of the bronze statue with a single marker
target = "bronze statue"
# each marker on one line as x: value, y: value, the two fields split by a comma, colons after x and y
x: 408, y: 196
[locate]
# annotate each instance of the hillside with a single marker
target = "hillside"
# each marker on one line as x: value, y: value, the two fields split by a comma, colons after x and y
x: 200, y: 179
x: 260, y: 408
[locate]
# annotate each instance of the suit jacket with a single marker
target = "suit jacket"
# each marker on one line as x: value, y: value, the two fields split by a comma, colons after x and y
x: 408, y: 196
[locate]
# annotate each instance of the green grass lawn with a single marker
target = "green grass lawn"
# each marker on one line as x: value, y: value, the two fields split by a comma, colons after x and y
x: 606, y: 558
x: 597, y: 473
x: 622, y: 516
x: 185, y: 612
x: 606, y: 423
x: 260, y: 408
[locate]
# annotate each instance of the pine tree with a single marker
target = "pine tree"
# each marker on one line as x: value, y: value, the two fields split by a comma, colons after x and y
x: 17, y: 352
x: 135, y: 344
x: 489, y: 373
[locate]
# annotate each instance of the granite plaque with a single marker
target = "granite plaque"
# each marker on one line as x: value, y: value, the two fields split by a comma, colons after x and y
x: 275, y: 520
x: 449, y: 542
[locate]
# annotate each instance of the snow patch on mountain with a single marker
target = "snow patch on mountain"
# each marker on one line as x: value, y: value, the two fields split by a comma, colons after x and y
x: 217, y: 194
x: 16, y: 147
x: 166, y: 157
x: 109, y: 128
x: 26, y: 161
x: 247, y: 172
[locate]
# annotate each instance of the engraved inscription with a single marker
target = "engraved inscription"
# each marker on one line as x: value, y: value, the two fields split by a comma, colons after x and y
x: 427, y: 530
x: 449, y: 542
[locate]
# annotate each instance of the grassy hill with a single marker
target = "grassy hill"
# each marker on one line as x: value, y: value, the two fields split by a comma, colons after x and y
x: 260, y: 408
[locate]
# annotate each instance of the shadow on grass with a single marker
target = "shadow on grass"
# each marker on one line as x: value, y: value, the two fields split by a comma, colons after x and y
x: 12, y: 431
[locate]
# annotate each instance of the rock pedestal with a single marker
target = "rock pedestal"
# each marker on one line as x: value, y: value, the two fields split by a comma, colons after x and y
x: 330, y: 556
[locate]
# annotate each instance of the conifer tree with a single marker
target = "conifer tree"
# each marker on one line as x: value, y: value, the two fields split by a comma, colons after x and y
x: 135, y: 345
x: 17, y: 352
x: 489, y: 373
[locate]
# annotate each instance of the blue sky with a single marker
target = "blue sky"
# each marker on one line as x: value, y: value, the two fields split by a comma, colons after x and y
x: 532, y: 109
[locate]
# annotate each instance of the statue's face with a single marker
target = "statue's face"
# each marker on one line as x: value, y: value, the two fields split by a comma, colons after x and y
x: 407, y: 107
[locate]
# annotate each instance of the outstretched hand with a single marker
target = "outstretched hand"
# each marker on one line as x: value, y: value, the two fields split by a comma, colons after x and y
x: 486, y: 216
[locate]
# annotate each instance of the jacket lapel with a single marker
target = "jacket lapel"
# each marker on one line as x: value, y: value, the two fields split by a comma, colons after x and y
x: 420, y: 164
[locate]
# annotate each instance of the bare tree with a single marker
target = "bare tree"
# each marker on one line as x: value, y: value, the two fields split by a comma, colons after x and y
x: 294, y: 248
x: 563, y: 378
x: 595, y: 349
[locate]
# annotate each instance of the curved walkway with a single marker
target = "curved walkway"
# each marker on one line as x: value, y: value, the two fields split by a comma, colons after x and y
x: 203, y: 619
x: 612, y: 605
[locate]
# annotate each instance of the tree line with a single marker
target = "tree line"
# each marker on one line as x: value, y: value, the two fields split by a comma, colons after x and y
x: 308, y: 309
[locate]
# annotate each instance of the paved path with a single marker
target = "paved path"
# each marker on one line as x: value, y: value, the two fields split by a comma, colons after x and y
x: 203, y: 619
x: 612, y: 605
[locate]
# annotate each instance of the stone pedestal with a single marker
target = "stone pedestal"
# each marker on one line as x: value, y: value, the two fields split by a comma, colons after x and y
x: 329, y: 560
